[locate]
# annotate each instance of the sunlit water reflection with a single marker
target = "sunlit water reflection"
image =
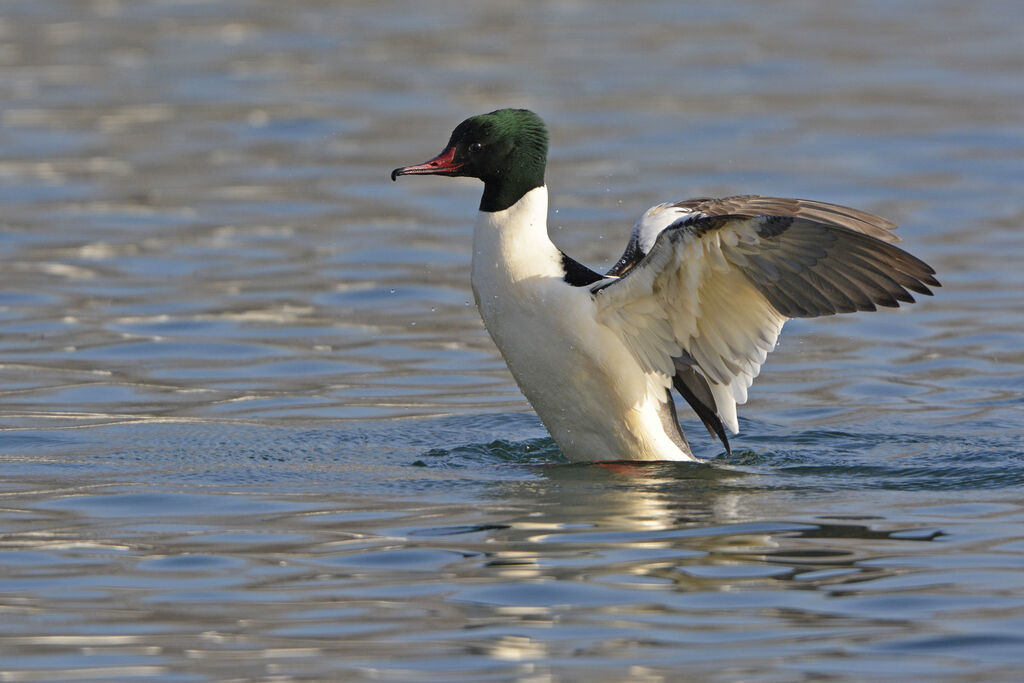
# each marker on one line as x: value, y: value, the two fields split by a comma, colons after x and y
x: 250, y: 425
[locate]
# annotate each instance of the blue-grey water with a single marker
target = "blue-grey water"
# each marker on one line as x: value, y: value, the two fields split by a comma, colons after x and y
x: 251, y: 427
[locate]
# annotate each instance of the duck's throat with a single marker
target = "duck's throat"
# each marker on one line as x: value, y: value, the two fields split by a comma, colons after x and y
x: 504, y: 190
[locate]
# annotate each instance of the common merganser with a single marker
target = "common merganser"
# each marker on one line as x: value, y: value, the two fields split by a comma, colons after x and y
x: 696, y: 301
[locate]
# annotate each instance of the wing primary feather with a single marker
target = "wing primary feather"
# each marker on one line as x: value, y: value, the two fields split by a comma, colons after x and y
x: 853, y: 273
x: 885, y: 272
x: 838, y: 295
x: 706, y: 284
x: 911, y: 282
x: 804, y: 287
x: 893, y: 254
x: 693, y: 387
x: 780, y: 300
x: 888, y: 292
x: 860, y: 300
x: 900, y: 266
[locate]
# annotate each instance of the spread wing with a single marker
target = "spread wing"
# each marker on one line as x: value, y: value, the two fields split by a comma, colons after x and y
x: 705, y: 285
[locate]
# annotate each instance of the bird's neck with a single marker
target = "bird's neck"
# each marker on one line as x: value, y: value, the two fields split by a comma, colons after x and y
x: 513, y: 244
x: 504, y: 190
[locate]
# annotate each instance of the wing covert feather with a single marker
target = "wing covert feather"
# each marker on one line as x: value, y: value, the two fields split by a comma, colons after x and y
x: 723, y: 275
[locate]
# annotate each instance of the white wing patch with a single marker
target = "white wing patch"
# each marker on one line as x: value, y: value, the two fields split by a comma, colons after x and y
x: 689, y: 295
x: 655, y: 219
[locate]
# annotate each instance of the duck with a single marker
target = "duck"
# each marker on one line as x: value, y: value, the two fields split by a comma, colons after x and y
x: 694, y: 304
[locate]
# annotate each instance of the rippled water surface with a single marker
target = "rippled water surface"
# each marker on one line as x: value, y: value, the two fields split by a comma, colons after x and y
x: 251, y: 426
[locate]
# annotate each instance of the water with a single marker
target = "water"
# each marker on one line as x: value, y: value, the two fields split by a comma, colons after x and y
x: 251, y: 428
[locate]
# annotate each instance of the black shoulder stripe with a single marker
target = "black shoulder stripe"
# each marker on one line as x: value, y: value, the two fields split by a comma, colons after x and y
x: 629, y: 258
x: 577, y: 274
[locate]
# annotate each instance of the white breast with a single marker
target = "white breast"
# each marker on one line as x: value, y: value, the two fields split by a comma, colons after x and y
x: 577, y: 374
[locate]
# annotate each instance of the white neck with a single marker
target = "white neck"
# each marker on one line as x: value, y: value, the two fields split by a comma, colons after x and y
x: 512, y: 245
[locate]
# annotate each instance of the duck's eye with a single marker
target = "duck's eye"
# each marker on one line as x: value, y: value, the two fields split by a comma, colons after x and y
x: 476, y: 147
